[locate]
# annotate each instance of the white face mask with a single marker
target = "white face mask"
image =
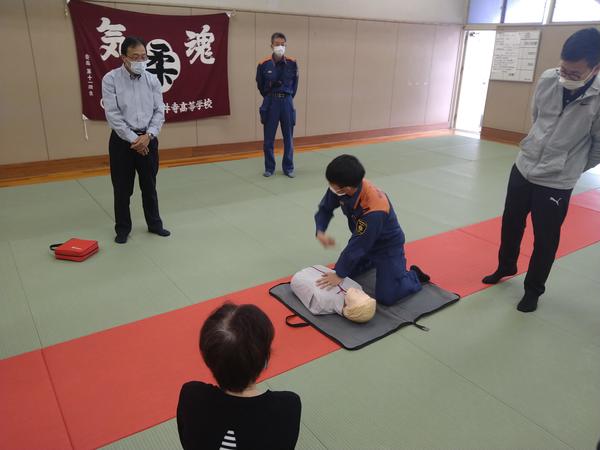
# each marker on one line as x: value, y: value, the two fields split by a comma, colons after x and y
x: 336, y: 192
x: 279, y: 50
x: 573, y: 85
x: 137, y: 67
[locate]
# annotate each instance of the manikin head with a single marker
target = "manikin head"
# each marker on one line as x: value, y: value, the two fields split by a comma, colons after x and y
x: 358, y: 307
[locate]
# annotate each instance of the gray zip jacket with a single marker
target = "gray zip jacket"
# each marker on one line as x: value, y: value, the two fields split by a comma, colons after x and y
x: 561, y: 144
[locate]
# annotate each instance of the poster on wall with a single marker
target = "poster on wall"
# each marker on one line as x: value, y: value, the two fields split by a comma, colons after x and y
x: 515, y: 55
x: 188, y: 55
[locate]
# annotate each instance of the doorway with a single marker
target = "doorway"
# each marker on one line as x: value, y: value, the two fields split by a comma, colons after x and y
x: 479, y: 52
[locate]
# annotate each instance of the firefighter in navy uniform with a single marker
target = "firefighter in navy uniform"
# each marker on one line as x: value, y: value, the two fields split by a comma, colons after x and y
x: 277, y: 81
x: 377, y: 240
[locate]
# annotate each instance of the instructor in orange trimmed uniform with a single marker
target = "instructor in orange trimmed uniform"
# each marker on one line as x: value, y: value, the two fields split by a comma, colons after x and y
x: 277, y: 81
x: 377, y: 240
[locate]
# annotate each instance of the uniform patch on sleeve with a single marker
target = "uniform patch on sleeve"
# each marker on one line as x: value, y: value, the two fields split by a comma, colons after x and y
x: 361, y: 226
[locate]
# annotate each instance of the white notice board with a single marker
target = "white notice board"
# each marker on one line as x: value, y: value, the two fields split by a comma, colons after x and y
x: 515, y: 53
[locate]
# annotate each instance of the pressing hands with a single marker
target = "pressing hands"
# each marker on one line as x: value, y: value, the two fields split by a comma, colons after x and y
x: 140, y: 145
x: 328, y: 281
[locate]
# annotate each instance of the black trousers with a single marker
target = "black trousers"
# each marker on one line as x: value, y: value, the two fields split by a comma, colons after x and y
x: 124, y: 163
x: 548, y: 209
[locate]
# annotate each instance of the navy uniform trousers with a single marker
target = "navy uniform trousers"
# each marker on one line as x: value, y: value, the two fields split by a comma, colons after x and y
x: 278, y: 109
x: 392, y: 281
x: 124, y: 163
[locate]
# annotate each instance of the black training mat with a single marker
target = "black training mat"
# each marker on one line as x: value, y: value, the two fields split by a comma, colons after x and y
x: 387, y: 319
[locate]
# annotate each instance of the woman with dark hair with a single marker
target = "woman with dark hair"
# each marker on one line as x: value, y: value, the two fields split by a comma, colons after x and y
x: 235, y: 343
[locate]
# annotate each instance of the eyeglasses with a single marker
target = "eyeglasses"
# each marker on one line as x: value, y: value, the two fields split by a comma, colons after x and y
x: 573, y: 76
x: 137, y: 58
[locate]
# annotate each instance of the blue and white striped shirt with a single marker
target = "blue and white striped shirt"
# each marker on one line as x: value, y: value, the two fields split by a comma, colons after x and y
x: 132, y: 103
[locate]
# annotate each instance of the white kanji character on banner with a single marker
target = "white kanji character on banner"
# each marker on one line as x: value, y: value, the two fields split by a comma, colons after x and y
x: 167, y: 108
x: 208, y: 103
x: 175, y: 107
x: 183, y: 107
x: 199, y: 45
x: 191, y: 106
x: 113, y: 38
x: 199, y: 104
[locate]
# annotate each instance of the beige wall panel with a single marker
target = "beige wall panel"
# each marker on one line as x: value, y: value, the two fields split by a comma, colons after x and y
x: 432, y: 11
x: 58, y: 78
x: 506, y: 104
x: 330, y: 75
x: 156, y: 9
x: 411, y: 76
x: 21, y: 126
x: 373, y: 75
x: 443, y: 73
x: 239, y: 126
x: 295, y: 29
x: 551, y: 42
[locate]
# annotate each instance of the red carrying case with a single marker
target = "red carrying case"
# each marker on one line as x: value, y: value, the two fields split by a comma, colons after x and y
x: 75, y: 249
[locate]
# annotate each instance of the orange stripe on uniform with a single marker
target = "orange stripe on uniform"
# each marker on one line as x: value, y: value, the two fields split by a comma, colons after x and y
x: 372, y: 199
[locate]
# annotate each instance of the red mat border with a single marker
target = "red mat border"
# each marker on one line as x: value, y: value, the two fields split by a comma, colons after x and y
x: 54, y: 395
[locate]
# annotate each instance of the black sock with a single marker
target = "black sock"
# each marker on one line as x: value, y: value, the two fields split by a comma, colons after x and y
x: 498, y: 275
x: 528, y: 303
x: 422, y: 276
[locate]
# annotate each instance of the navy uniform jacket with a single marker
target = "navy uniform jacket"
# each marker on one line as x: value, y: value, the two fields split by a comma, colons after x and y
x: 376, y: 233
x: 274, y: 77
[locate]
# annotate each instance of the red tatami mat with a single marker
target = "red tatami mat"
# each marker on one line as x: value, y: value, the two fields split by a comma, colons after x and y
x: 29, y: 415
x: 580, y: 229
x: 589, y: 199
x: 120, y: 381
x: 455, y: 260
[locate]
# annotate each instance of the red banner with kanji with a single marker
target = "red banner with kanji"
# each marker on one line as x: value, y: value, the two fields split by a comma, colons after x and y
x: 188, y: 54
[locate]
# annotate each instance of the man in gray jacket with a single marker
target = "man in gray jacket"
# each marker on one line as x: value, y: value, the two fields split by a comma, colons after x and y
x: 564, y: 141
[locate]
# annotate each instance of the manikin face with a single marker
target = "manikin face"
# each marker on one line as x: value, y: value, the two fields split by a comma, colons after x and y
x: 355, y: 297
x: 358, y: 306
